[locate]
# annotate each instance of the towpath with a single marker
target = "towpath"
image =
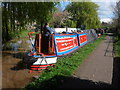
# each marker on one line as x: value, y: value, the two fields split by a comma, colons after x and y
x: 97, y: 70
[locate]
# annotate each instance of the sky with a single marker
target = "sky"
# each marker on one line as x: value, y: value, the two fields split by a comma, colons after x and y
x: 105, y: 11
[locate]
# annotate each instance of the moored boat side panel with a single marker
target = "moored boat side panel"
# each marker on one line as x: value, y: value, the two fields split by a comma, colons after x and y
x: 65, y: 44
x: 40, y: 67
x: 91, y: 35
x: 82, y: 39
x: 45, y: 61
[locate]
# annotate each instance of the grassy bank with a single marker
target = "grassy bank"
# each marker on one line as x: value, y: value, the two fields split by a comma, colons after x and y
x: 116, y: 46
x: 15, y: 37
x: 65, y: 67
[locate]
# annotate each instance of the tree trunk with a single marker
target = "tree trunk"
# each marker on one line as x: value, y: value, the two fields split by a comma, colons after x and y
x: 78, y: 24
x: 7, y: 34
x: 41, y: 27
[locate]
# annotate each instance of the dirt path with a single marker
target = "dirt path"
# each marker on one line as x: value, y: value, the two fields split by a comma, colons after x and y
x: 96, y: 70
x: 99, y: 65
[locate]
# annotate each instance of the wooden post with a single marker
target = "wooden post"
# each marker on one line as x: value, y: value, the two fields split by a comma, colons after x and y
x: 51, y: 45
x: 39, y: 43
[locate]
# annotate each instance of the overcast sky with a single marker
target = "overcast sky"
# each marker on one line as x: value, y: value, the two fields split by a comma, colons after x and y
x: 105, y: 10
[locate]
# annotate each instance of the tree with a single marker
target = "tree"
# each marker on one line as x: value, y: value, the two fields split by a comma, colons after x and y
x: 15, y: 15
x: 57, y: 19
x: 117, y: 13
x: 84, y: 13
x: 60, y: 18
x: 117, y: 20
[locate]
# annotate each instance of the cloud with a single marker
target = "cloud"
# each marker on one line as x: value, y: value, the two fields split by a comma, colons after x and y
x: 104, y: 0
x: 106, y: 20
x: 105, y: 11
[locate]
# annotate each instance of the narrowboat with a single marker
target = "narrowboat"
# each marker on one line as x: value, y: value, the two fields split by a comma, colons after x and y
x: 46, y: 50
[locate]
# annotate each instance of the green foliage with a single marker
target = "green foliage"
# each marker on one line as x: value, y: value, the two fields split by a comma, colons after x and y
x: 65, y: 67
x: 23, y: 33
x: 16, y: 15
x: 71, y: 23
x: 116, y: 46
x: 117, y: 49
x: 85, y: 13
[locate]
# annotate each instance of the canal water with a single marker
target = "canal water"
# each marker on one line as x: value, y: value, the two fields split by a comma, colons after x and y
x: 14, y: 73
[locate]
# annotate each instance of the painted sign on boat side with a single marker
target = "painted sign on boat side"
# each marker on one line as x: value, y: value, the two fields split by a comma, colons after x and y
x: 65, y: 44
x: 82, y: 39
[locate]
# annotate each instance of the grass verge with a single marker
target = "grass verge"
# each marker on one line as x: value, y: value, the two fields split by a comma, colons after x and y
x: 65, y: 67
x: 116, y: 46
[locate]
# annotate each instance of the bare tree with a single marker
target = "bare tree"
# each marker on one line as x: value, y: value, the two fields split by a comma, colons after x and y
x: 117, y: 13
x: 117, y: 18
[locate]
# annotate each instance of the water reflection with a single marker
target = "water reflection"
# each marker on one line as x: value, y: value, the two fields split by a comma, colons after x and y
x: 3, y: 45
x: 13, y: 68
x: 18, y: 45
